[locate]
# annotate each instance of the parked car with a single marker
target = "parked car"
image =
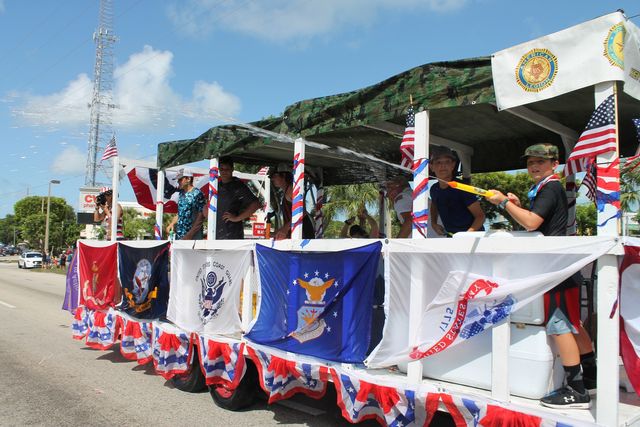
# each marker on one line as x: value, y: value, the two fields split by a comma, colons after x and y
x: 30, y: 260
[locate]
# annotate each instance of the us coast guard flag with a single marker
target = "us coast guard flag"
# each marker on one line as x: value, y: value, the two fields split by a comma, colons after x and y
x: 471, y: 288
x: 205, y: 289
x: 144, y: 275
x: 317, y: 303
x: 557, y: 63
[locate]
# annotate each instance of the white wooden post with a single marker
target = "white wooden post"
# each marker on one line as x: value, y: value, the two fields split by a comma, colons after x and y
x: 159, y: 205
x: 608, y: 321
x: 297, y: 199
x: 115, y: 182
x: 420, y: 206
x: 214, y: 175
x: 500, y: 346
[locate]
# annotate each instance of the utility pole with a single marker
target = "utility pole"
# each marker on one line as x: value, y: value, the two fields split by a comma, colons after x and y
x: 100, y: 129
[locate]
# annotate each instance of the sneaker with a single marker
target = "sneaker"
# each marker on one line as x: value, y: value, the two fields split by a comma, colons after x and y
x: 590, y: 384
x: 566, y: 398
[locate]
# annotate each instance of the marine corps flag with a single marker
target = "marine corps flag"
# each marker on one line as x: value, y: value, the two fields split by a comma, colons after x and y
x: 318, y: 304
x: 97, y: 269
x: 145, y: 281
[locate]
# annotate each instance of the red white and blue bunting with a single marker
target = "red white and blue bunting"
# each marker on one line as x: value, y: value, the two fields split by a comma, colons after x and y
x: 136, y: 340
x: 281, y: 378
x: 172, y: 350
x: 222, y: 363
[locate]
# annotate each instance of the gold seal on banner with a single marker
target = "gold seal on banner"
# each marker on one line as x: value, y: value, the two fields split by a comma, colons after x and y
x: 614, y: 45
x: 536, y: 70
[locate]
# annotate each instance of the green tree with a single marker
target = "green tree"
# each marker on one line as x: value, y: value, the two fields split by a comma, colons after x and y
x: 518, y: 184
x: 30, y: 218
x: 135, y: 226
x: 347, y: 199
x: 586, y: 217
x: 7, y: 227
x: 630, y: 189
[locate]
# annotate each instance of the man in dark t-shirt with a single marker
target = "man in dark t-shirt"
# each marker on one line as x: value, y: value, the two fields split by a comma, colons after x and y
x: 548, y: 215
x: 236, y: 203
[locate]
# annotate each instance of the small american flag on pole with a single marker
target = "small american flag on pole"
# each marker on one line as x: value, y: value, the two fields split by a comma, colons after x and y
x: 590, y: 182
x: 599, y: 137
x: 406, y: 147
x: 110, y: 150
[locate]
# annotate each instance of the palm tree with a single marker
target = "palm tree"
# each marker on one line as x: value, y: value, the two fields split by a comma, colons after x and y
x: 347, y: 199
x: 629, y: 187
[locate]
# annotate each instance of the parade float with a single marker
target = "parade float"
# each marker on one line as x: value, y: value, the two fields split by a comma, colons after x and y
x: 463, y: 327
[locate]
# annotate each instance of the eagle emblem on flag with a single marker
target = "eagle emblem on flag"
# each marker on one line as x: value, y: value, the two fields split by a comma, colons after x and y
x: 140, y: 298
x: 536, y: 70
x: 211, y: 294
x: 309, y: 327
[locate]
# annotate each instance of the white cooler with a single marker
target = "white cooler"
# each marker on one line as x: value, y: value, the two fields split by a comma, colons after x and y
x: 532, y: 313
x: 531, y: 363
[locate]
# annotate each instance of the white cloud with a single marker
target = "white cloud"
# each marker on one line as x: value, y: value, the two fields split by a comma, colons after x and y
x: 283, y: 20
x: 67, y: 107
x: 142, y: 94
x: 71, y: 161
x: 211, y: 100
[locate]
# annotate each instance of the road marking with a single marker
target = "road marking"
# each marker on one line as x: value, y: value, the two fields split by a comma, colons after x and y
x: 7, y: 305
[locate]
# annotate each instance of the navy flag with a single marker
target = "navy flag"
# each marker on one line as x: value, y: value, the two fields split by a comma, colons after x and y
x: 145, y: 280
x: 318, y: 304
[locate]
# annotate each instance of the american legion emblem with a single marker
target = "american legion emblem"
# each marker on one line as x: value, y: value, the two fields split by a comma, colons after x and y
x: 309, y: 327
x: 536, y: 70
x: 140, y: 297
x: 213, y: 277
x: 614, y: 45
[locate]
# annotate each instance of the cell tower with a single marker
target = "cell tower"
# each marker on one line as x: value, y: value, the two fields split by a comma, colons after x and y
x: 102, y: 102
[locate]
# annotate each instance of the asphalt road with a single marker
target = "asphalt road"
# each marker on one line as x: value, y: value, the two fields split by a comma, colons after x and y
x: 49, y: 379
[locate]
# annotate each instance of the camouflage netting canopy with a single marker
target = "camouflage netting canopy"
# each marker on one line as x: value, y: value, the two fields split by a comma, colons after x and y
x: 459, y: 96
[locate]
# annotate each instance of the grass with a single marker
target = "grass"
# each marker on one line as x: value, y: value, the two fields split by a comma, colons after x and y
x: 55, y: 270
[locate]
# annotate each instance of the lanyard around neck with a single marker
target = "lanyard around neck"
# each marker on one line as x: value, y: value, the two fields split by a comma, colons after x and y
x: 533, y: 192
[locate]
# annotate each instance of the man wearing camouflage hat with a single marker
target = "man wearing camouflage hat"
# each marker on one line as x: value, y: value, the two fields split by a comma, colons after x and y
x: 548, y: 215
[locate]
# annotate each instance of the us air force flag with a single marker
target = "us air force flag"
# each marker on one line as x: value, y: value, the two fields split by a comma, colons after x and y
x: 580, y: 56
x: 144, y: 274
x: 205, y: 289
x: 317, y: 303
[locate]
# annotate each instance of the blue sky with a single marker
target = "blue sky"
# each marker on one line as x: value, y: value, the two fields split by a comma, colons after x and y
x: 184, y: 66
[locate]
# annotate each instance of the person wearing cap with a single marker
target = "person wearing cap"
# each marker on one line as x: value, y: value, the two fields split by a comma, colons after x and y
x: 458, y: 210
x: 188, y: 223
x: 401, y: 198
x: 102, y: 213
x: 282, y: 178
x: 236, y: 203
x: 548, y: 214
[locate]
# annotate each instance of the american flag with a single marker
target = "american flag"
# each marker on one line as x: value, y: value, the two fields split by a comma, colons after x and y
x: 598, y: 137
x: 590, y: 181
x: 110, y: 150
x: 406, y: 147
x: 264, y: 171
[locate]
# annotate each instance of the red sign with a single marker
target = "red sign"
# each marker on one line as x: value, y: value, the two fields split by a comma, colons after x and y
x: 259, y: 229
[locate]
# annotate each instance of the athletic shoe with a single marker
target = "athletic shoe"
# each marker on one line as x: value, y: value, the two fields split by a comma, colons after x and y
x: 566, y: 398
